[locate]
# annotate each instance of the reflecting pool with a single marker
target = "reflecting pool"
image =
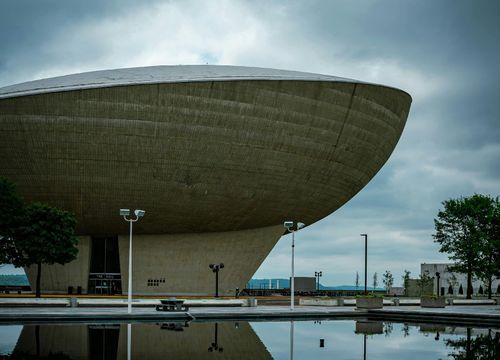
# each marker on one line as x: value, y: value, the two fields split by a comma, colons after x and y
x: 319, y: 339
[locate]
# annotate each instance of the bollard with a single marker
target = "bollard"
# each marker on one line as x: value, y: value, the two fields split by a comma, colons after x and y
x: 450, y: 301
x: 73, y: 302
x: 395, y: 301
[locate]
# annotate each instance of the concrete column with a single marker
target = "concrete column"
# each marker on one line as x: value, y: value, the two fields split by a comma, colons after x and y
x: 178, y: 263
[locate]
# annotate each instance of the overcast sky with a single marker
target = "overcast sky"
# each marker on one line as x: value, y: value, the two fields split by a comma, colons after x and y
x: 446, y: 54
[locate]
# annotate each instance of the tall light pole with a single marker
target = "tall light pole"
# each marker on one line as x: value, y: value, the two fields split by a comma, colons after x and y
x: 366, y: 260
x: 138, y: 215
x: 318, y: 274
x: 437, y: 283
x: 293, y: 226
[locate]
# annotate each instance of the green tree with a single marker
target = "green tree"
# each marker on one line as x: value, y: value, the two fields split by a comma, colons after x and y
x: 406, y: 278
x: 47, y: 237
x: 490, y: 247
x: 11, y: 218
x: 424, y: 282
x: 461, y: 229
x: 388, y: 280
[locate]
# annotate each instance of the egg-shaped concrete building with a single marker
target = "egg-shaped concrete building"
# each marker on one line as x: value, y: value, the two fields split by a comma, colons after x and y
x: 218, y: 156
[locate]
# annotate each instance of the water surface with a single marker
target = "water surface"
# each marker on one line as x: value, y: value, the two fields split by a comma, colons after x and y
x: 320, y: 339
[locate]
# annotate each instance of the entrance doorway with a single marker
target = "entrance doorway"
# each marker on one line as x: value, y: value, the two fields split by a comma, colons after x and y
x: 104, y: 274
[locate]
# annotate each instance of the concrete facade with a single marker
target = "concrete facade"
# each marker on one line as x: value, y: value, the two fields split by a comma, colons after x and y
x: 183, y: 259
x: 202, y: 149
x: 57, y: 277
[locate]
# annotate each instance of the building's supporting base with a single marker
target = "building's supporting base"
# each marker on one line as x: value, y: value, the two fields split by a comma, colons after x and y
x: 57, y: 278
x: 173, y: 264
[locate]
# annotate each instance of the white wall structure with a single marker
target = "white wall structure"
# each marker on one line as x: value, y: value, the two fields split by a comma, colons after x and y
x: 454, y: 280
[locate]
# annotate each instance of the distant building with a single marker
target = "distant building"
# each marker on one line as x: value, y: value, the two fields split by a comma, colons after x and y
x: 268, y: 284
x: 304, y: 283
x: 12, y: 283
x: 454, y: 283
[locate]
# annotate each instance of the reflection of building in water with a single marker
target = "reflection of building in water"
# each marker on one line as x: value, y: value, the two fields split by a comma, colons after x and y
x: 369, y: 327
x: 149, y: 341
x: 452, y: 330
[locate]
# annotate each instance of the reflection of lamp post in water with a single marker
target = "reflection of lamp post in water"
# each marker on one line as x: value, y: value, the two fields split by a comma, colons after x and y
x: 129, y: 341
x: 291, y: 339
x: 138, y: 214
x: 215, y: 345
x: 364, y: 347
x: 368, y: 328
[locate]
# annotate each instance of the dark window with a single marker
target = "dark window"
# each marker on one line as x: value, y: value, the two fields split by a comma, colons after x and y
x: 105, y: 256
x: 112, y: 255
x: 97, y: 256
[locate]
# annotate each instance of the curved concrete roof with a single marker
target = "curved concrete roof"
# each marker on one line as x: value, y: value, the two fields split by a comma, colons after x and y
x: 201, y: 148
x: 158, y: 74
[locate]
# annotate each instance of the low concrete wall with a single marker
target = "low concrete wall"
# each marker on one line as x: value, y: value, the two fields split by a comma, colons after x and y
x: 369, y: 303
x: 321, y: 302
x: 429, y: 302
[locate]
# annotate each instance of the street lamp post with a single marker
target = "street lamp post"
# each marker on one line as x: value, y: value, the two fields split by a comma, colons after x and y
x: 138, y: 215
x: 216, y: 268
x: 366, y: 260
x: 293, y: 226
x: 437, y: 283
x: 318, y: 274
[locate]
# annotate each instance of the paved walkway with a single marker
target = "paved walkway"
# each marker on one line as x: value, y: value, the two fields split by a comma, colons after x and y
x: 472, y: 315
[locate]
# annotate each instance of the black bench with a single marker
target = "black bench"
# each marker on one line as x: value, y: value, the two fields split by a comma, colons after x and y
x: 172, y: 304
